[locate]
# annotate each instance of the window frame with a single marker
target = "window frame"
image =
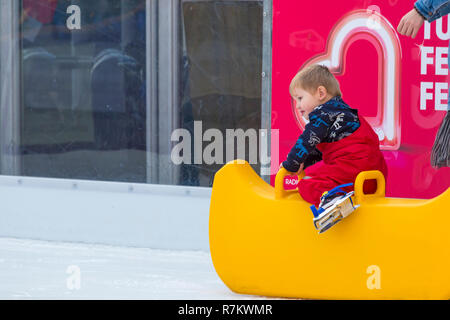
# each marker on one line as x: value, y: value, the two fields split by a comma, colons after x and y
x: 10, y: 88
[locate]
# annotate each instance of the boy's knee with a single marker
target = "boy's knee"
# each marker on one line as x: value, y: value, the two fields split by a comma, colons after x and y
x: 309, y: 192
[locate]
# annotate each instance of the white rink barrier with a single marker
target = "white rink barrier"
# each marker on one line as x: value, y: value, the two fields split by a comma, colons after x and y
x: 112, y: 213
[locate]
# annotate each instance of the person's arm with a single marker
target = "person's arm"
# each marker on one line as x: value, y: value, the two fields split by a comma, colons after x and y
x: 314, y: 157
x: 429, y: 10
x: 315, y: 132
x: 432, y: 10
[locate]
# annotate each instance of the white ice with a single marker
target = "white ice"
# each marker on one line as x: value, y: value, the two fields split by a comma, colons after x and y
x: 31, y: 269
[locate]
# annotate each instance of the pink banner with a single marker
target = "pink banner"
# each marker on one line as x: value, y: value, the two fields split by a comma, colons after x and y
x: 400, y: 85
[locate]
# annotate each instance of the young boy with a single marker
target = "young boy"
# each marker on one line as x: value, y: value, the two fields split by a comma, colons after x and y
x: 335, y: 134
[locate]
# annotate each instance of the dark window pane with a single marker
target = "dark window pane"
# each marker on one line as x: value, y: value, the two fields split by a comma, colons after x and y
x: 220, y: 73
x: 83, y: 104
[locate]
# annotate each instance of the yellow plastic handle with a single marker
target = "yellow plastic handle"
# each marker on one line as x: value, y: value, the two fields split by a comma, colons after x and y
x: 369, y: 175
x: 280, y: 192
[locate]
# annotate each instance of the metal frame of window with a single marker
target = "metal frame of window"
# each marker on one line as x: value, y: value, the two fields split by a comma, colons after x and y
x: 168, y: 86
x: 10, y: 87
x: 152, y: 91
x: 266, y: 89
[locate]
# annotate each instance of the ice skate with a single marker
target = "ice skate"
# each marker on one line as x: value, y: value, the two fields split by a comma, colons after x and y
x: 334, y: 206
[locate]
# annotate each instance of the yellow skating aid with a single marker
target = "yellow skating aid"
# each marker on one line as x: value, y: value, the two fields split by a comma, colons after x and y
x: 262, y: 242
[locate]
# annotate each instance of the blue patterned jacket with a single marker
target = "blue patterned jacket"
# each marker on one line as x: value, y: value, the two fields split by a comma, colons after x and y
x: 330, y: 122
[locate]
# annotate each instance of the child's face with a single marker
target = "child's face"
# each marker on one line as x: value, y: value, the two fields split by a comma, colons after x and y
x: 305, y: 101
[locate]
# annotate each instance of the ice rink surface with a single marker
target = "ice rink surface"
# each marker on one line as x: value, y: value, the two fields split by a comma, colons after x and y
x: 31, y: 269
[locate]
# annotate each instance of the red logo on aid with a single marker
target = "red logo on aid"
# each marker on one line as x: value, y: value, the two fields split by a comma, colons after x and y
x: 290, y: 182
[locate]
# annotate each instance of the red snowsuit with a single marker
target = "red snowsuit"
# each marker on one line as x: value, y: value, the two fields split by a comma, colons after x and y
x: 342, y: 161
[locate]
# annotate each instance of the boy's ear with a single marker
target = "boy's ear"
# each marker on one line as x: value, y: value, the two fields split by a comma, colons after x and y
x: 322, y: 92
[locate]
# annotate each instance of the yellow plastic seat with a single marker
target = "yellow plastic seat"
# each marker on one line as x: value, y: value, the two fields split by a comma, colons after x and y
x: 263, y: 242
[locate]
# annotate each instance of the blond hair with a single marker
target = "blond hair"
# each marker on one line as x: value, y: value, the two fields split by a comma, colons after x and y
x: 314, y: 76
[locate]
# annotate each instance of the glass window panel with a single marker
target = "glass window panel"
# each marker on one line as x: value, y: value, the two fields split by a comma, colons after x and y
x: 99, y: 86
x: 83, y: 105
x: 220, y: 75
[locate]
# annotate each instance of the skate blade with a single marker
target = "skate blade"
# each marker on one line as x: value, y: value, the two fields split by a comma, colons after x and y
x: 328, y: 226
x: 330, y: 219
x: 342, y: 210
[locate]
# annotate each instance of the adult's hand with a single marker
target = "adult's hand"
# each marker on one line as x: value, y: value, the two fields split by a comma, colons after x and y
x: 410, y: 24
